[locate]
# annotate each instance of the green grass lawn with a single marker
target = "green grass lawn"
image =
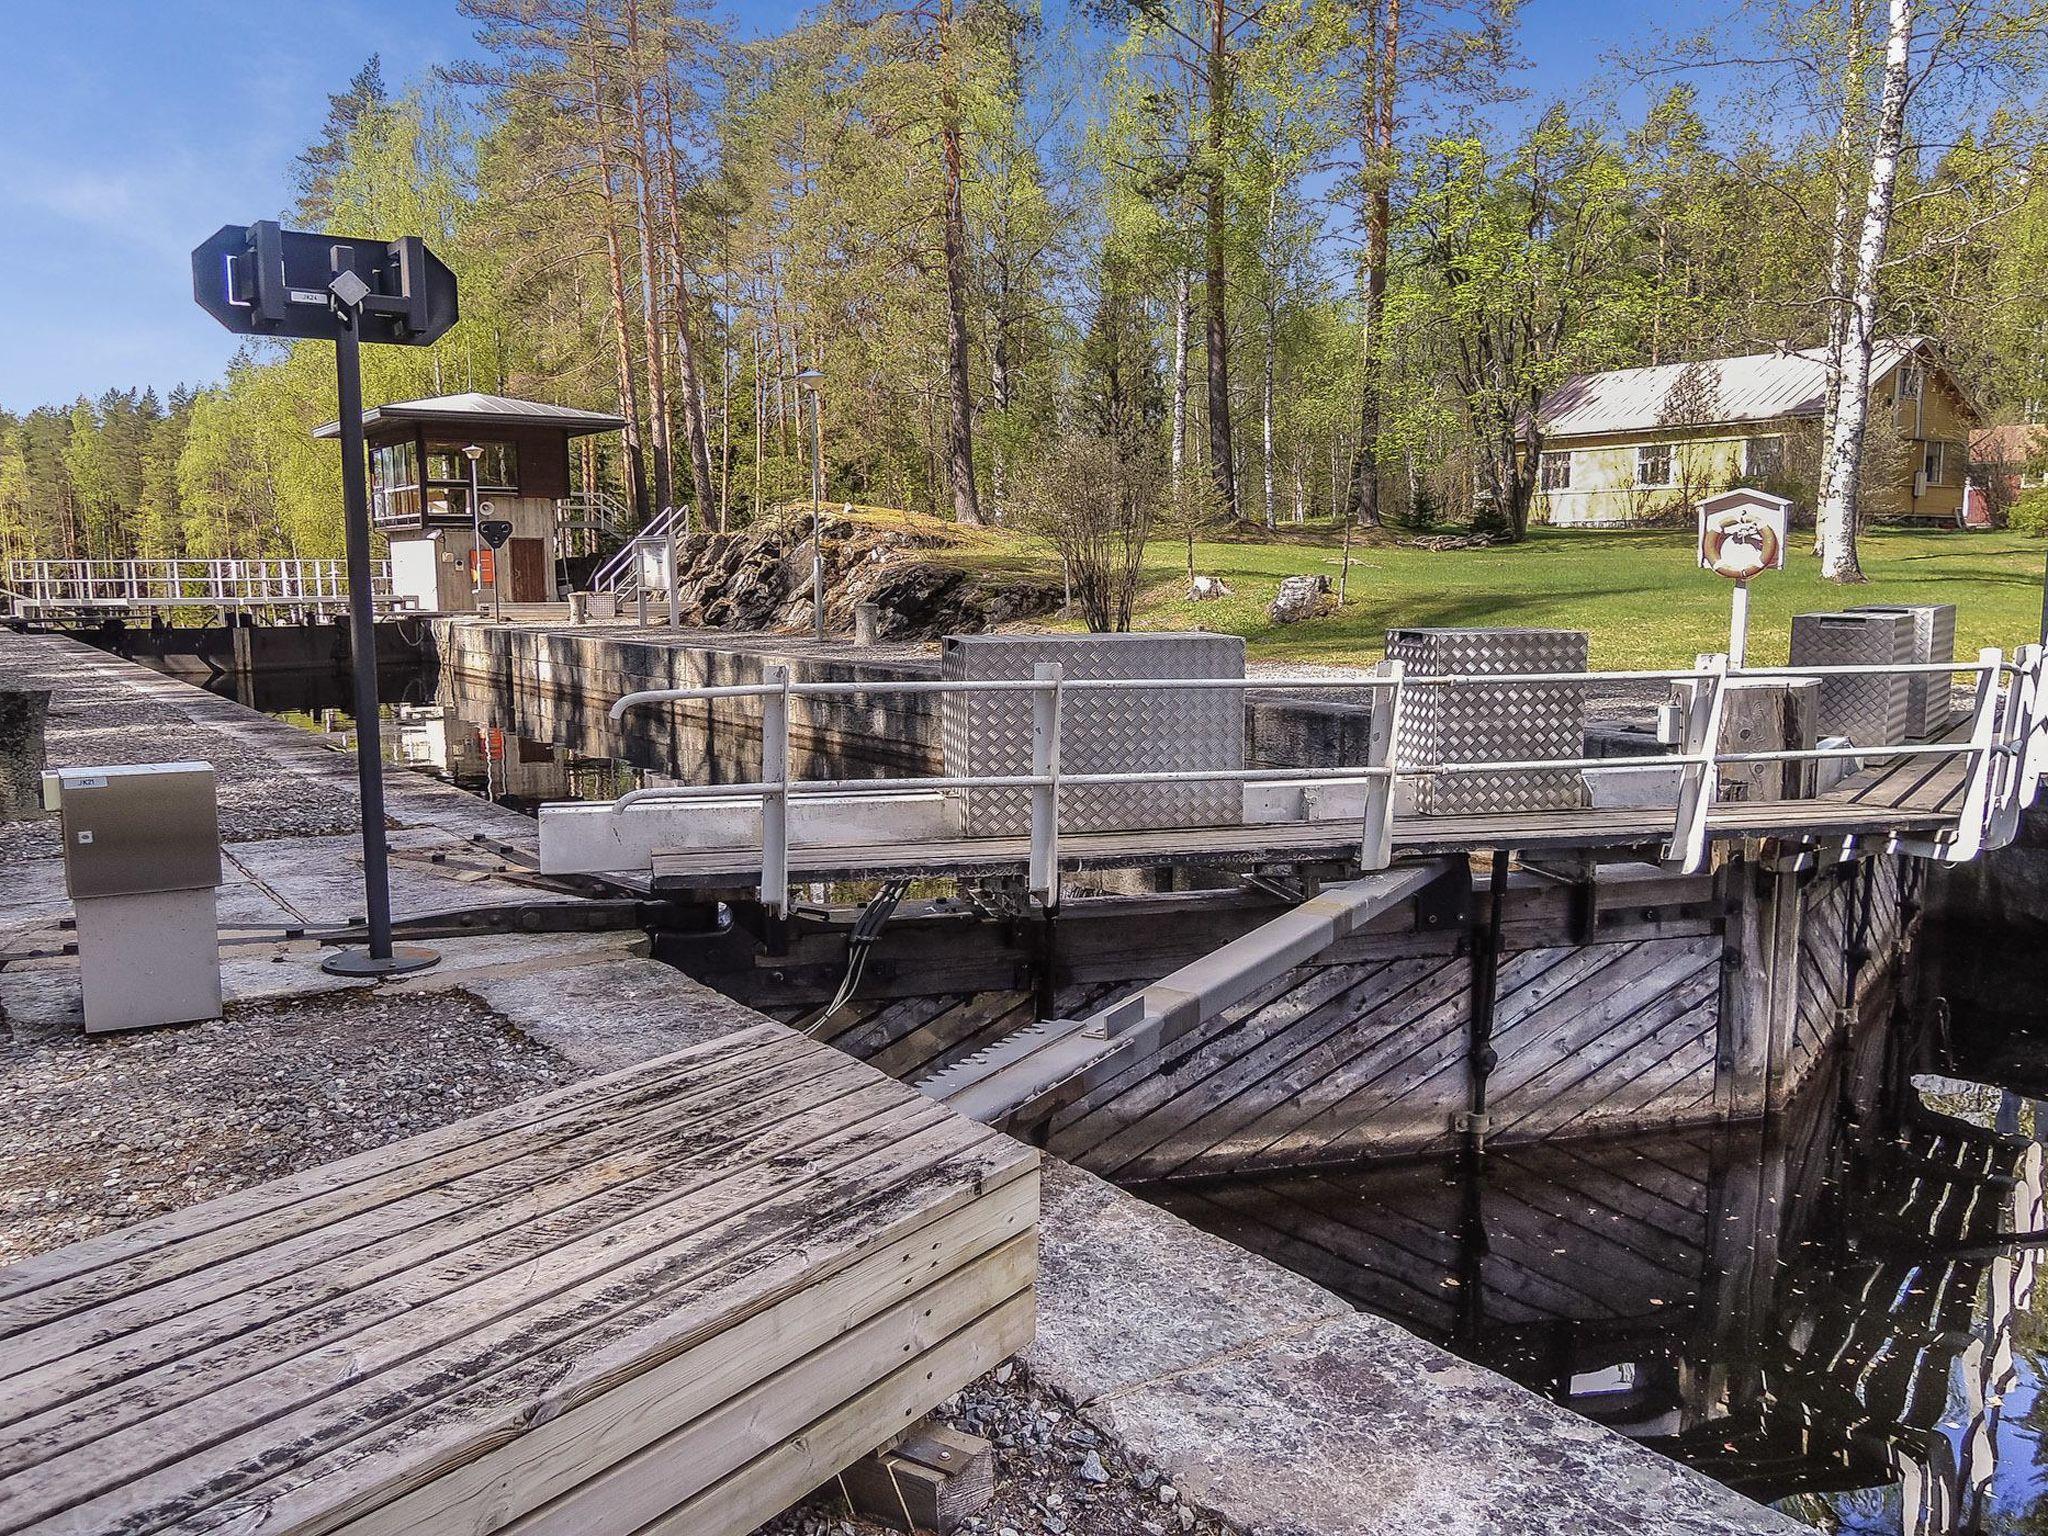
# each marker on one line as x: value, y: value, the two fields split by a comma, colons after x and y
x: 1639, y: 593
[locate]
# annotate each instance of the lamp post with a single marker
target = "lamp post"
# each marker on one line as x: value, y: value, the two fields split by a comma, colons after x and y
x: 476, y: 531
x: 808, y: 380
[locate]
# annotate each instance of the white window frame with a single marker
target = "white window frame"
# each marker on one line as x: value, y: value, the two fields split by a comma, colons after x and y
x: 1934, y: 461
x: 1912, y: 380
x: 1669, y: 451
x: 1550, y: 460
x: 1749, y: 453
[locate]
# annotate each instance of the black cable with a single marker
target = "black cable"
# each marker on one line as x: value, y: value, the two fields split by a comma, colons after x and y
x: 867, y: 928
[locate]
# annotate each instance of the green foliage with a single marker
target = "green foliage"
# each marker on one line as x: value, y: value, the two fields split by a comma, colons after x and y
x: 2029, y: 514
x: 622, y: 177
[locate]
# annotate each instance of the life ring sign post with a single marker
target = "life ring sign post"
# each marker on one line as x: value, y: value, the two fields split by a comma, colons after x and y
x: 285, y: 284
x: 1742, y: 534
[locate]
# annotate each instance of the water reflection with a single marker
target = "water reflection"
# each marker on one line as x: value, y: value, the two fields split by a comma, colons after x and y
x: 431, y: 726
x: 1836, y: 1314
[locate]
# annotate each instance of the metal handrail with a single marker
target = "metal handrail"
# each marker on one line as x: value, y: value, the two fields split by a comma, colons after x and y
x: 2006, y: 740
x: 260, y: 581
x: 608, y: 576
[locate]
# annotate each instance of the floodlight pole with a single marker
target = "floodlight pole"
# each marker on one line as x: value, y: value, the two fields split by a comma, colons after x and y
x: 476, y: 535
x: 381, y: 959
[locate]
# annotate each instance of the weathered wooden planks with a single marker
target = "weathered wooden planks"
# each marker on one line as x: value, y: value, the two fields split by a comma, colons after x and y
x: 670, y: 1289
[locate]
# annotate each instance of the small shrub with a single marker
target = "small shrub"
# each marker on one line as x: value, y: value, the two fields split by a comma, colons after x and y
x: 2029, y: 514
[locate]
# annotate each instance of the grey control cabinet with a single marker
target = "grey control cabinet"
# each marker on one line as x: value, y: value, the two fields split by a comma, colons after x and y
x: 1109, y: 731
x: 141, y: 863
x: 1474, y: 722
x: 1929, y: 695
x: 1871, y: 709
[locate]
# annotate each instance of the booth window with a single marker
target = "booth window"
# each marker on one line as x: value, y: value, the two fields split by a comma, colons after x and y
x: 395, y: 483
x: 496, y: 470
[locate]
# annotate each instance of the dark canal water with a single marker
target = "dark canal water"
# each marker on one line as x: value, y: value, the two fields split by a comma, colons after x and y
x: 1835, y: 1313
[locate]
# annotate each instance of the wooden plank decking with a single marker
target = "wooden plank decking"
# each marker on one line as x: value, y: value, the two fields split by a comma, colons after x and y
x: 671, y: 1299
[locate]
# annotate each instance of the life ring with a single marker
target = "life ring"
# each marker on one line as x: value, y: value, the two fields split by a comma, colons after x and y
x: 1738, y: 544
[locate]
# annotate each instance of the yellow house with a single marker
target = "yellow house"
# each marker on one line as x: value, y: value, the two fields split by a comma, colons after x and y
x: 1641, y: 444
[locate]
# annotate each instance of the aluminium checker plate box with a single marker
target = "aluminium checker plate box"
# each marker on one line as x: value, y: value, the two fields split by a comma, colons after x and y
x: 1873, y: 710
x: 1110, y: 731
x: 1929, y: 696
x: 1475, y: 722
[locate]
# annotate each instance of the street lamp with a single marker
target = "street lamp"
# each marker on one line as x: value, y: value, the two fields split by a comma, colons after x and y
x: 476, y: 531
x: 808, y: 380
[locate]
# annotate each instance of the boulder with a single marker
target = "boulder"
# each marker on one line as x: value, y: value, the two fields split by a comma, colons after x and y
x: 1302, y: 597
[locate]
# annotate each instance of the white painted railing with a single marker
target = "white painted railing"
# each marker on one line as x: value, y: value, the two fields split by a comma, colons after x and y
x: 2006, y: 750
x: 246, y: 583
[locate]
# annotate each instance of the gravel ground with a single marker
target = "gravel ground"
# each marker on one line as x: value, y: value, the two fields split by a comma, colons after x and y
x: 103, y: 1133
x: 107, y: 719
x: 1055, y: 1476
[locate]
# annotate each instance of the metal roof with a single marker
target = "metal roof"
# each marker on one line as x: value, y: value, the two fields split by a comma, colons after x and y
x: 477, y: 410
x: 1760, y: 387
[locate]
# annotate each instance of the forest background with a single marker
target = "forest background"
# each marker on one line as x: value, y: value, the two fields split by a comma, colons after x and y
x: 1314, y: 259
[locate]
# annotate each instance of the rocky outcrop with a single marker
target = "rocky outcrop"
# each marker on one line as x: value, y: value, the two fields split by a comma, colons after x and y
x: 759, y: 578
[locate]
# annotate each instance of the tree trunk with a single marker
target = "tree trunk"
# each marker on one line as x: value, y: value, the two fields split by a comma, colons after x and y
x: 1855, y: 102
x: 1216, y: 329
x: 646, y: 200
x: 1841, y: 512
x: 1182, y: 303
x: 629, y: 394
x: 1377, y: 142
x: 1266, y: 414
x: 688, y: 379
x: 960, y: 417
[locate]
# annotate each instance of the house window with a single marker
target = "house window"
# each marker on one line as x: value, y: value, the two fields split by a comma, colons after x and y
x: 1935, y: 464
x: 1910, y: 381
x: 1763, y: 458
x: 1653, y: 464
x: 1555, y: 469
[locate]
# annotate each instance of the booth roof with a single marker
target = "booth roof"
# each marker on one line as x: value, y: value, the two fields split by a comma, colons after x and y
x: 477, y: 410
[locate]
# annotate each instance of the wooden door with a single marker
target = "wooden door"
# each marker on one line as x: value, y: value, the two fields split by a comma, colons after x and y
x: 529, y: 571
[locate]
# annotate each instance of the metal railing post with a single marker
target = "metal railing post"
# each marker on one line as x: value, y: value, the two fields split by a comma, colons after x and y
x: 1376, y: 845
x: 775, y: 801
x: 2015, y: 745
x: 2034, y: 744
x: 1974, y: 815
x: 668, y: 570
x: 1699, y: 780
x: 1046, y: 705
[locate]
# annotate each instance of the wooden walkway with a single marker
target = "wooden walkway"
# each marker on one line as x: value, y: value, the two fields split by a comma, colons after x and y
x: 672, y: 1299
x: 1902, y: 797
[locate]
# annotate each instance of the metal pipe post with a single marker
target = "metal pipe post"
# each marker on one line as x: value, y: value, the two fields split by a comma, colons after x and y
x: 476, y: 537
x: 381, y: 959
x: 817, y: 525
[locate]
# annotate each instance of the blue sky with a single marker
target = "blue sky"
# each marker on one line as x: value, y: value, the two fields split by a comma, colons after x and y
x: 132, y: 129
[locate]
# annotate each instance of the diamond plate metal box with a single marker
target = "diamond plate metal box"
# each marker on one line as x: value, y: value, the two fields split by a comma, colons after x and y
x: 1928, y: 701
x: 1110, y: 731
x: 1475, y: 722
x: 1871, y: 711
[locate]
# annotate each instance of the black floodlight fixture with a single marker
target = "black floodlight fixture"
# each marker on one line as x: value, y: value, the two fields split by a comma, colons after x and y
x: 261, y: 280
